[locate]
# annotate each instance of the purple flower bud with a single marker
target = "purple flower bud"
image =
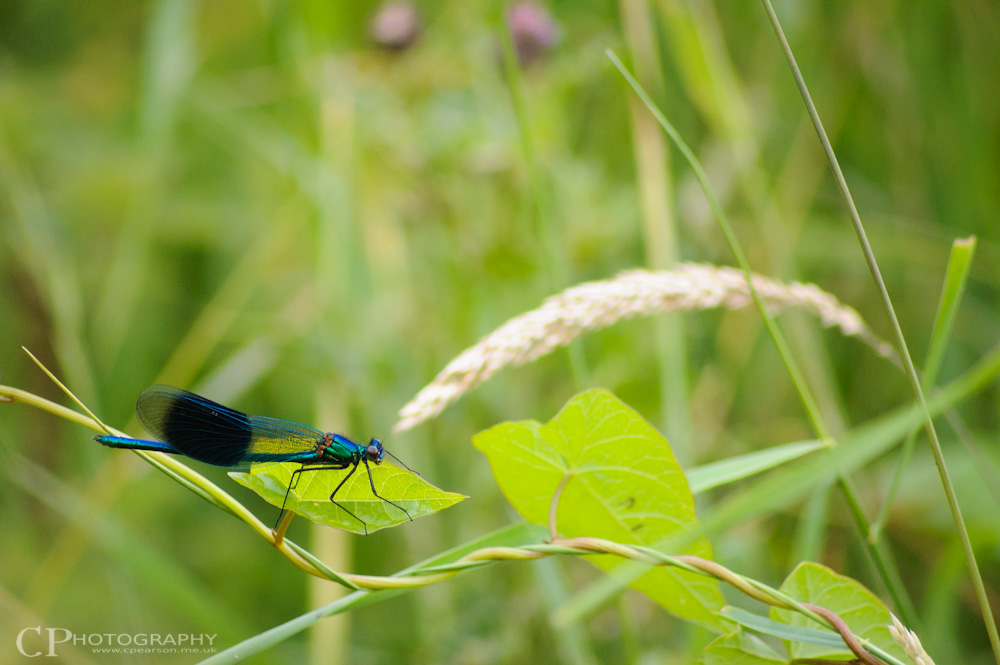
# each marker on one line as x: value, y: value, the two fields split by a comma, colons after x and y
x: 533, y: 30
x: 396, y: 25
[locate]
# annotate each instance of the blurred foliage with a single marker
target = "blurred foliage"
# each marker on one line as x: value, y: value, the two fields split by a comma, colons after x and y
x: 257, y: 202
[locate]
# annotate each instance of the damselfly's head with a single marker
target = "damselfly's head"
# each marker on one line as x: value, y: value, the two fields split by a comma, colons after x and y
x: 374, y: 452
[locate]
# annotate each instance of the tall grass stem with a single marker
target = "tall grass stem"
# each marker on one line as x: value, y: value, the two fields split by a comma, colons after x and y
x: 911, y: 372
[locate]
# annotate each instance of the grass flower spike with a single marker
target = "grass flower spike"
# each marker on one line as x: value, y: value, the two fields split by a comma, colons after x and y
x: 595, y: 305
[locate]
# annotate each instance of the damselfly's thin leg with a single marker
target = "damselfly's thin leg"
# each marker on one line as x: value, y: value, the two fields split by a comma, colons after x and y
x: 341, y: 484
x: 293, y: 482
x: 372, y: 483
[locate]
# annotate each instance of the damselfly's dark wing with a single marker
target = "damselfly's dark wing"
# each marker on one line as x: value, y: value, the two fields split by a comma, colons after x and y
x: 215, y: 434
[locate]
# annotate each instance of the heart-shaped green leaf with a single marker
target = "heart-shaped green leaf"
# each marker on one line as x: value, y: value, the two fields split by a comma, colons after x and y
x: 623, y: 485
x: 739, y: 648
x: 860, y: 609
x: 311, y: 496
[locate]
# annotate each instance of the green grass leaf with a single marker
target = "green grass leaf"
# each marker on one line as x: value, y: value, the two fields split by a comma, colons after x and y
x: 857, y: 606
x: 730, y: 470
x: 311, y: 497
x: 823, y: 637
x: 624, y: 485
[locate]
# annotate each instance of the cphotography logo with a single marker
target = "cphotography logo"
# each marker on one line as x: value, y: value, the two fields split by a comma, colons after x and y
x: 36, y: 641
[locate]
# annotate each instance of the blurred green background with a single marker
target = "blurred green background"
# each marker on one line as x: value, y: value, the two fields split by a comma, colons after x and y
x: 261, y: 202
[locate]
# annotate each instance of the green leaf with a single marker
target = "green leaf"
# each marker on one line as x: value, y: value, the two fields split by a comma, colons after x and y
x: 784, y: 486
x: 311, y: 497
x: 959, y: 266
x: 738, y: 648
x: 623, y: 485
x: 736, y: 468
x: 860, y: 609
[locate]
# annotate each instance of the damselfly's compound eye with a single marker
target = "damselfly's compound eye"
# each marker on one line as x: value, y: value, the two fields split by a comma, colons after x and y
x: 374, y: 451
